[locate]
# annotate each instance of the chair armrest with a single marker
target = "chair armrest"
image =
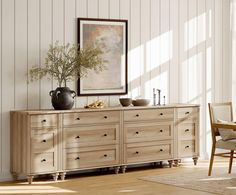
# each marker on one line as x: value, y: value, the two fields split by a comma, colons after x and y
x: 229, y: 125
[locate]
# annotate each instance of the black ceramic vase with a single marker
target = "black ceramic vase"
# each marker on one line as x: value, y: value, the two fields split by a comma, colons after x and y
x: 62, y: 98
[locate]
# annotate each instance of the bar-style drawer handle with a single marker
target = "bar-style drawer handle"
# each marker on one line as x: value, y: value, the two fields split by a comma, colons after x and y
x: 77, y: 158
x: 44, y: 140
x: 78, y: 118
x: 44, y: 160
x: 186, y: 130
x: 161, y: 114
x: 186, y: 112
x: 105, y: 155
x: 137, y: 115
x: 77, y: 137
x: 186, y: 146
x: 44, y: 120
x: 105, y: 117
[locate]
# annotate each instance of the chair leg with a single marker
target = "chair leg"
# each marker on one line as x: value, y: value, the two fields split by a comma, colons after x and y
x: 231, y: 160
x: 211, y: 160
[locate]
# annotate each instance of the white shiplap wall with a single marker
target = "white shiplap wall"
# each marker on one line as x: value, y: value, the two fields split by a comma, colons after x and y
x: 179, y: 46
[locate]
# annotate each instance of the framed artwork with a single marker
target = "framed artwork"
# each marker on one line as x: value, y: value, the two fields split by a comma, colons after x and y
x: 112, y: 35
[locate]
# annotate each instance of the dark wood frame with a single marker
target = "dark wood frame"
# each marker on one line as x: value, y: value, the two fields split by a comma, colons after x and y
x: 126, y: 55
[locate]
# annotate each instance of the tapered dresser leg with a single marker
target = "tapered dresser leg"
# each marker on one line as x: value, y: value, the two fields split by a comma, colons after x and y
x: 63, y: 175
x: 30, y: 179
x: 195, y: 159
x: 55, y: 176
x: 123, y: 168
x: 15, y: 176
x: 170, y: 163
x: 176, y: 163
x: 117, y: 169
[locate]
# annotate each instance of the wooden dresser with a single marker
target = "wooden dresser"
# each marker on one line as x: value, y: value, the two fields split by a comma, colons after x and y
x: 59, y: 141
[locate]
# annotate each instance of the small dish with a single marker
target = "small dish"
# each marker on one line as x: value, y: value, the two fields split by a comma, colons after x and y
x: 125, y: 101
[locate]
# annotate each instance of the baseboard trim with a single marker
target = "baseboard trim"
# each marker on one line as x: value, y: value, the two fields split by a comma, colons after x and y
x: 6, y: 176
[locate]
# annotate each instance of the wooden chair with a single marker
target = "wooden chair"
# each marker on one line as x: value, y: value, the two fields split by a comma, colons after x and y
x: 222, y: 111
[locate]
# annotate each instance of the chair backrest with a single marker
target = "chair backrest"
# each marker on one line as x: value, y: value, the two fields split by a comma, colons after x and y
x: 219, y: 111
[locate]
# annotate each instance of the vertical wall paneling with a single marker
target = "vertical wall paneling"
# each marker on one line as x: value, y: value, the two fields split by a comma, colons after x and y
x: 183, y: 54
x: 135, y: 49
x: 155, y: 44
x: 45, y: 40
x: 179, y: 46
x: 118, y: 9
x: 226, y: 39
x: 103, y: 11
x: 165, y: 49
x: 218, y: 51
x: 8, y: 65
x: 174, y: 60
x: 33, y: 51
x: 81, y: 11
x: 145, y: 49
x: 93, y: 12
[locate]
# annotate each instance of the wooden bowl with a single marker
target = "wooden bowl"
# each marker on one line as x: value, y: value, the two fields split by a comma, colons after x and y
x: 125, y: 101
x: 141, y: 102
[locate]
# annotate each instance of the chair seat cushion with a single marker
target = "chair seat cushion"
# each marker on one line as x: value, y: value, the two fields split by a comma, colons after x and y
x: 228, y: 145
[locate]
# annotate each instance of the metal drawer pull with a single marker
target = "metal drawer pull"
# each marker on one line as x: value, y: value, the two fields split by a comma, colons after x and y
x: 161, y: 130
x: 105, y: 135
x: 186, y: 146
x: 161, y: 114
x: 44, y: 121
x: 44, y: 160
x: 186, y: 130
x: 105, y: 117
x: 137, y: 132
x: 78, y: 118
x: 161, y: 150
x: 105, y: 155
x: 77, y: 137
x: 136, y: 152
x: 137, y: 115
x: 44, y: 140
x: 77, y: 158
x: 186, y: 112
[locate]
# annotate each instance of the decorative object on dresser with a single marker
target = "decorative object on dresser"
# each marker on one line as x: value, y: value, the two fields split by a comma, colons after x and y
x: 55, y: 142
x: 112, y: 35
x: 125, y: 101
x: 141, y: 102
x: 65, y: 63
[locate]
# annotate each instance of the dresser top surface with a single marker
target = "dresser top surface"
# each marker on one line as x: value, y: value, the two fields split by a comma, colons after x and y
x: 118, y: 108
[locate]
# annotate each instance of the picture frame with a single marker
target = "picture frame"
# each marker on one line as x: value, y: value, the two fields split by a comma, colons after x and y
x: 113, y: 35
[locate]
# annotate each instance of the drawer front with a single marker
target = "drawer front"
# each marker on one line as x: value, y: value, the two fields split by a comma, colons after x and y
x: 186, y: 131
x: 187, y: 148
x: 148, y: 132
x: 188, y: 113
x: 40, y: 121
x: 149, y: 153
x: 43, y: 142
x: 43, y: 162
x: 77, y: 160
x: 90, y: 118
x: 151, y: 114
x: 91, y: 136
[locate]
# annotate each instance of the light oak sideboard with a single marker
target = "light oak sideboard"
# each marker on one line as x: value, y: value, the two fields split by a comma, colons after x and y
x: 60, y: 141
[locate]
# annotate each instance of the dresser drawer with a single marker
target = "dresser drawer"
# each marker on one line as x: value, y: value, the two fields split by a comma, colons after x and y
x: 187, y: 148
x: 43, y: 162
x: 151, y: 114
x: 188, y: 113
x: 76, y: 159
x: 90, y: 118
x: 46, y: 120
x: 186, y: 131
x: 148, y: 153
x: 43, y: 142
x: 148, y: 132
x: 91, y: 136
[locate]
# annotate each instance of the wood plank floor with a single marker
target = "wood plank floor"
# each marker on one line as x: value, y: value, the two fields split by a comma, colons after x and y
x: 107, y: 183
